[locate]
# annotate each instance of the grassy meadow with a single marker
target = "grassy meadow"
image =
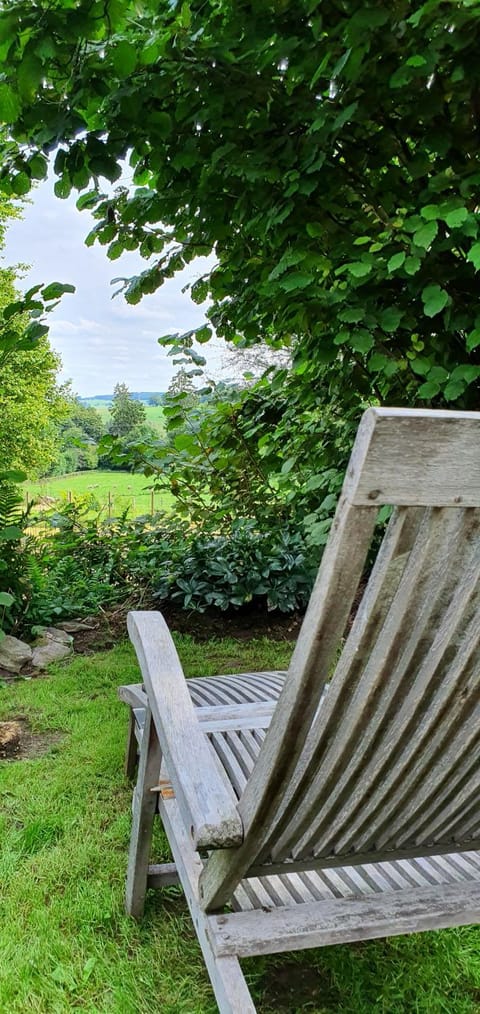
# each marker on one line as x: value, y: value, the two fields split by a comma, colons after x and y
x: 123, y: 488
x: 153, y: 414
x: 65, y: 941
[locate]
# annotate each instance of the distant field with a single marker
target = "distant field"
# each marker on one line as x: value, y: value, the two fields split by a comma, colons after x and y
x: 154, y: 414
x: 113, y: 491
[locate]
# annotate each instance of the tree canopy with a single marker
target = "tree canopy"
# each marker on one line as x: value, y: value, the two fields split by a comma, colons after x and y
x: 126, y: 412
x: 326, y: 153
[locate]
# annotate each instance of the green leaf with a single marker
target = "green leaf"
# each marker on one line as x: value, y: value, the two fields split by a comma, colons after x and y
x: 377, y: 362
x: 416, y: 61
x: 421, y: 366
x: 10, y: 533
x: 203, y: 334
x: 21, y: 184
x: 430, y: 212
x: 345, y: 116
x: 10, y: 104
x: 115, y: 250
x: 6, y: 599
x: 412, y: 265
x: 390, y: 318
x: 428, y: 390
x: 56, y: 289
x: 296, y: 280
x: 314, y: 229
x: 453, y: 390
x: 474, y: 255
x: 124, y: 58
x: 88, y: 200
x: 352, y: 315
x: 63, y: 187
x: 13, y: 475
x: 425, y: 236
x: 396, y: 261
x: 473, y: 339
x: 361, y: 341
x: 358, y: 268
x: 438, y: 373
x: 456, y: 218
x: 466, y: 371
x: 434, y: 300
x: 29, y: 76
x: 38, y: 167
x: 36, y: 331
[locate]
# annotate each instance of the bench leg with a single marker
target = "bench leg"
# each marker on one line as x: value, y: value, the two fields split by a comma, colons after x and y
x: 144, y: 809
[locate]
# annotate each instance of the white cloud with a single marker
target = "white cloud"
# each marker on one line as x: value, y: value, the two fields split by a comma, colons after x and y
x: 101, y: 341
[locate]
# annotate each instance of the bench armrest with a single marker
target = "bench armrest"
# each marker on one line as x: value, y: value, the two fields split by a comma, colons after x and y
x: 205, y: 800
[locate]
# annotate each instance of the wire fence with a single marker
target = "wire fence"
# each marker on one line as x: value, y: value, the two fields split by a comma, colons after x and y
x: 110, y: 503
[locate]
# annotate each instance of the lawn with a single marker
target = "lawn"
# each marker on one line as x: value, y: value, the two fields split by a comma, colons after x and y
x: 65, y: 942
x: 125, y: 490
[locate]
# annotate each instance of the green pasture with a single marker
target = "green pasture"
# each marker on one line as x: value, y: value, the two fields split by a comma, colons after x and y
x: 153, y: 413
x: 113, y: 491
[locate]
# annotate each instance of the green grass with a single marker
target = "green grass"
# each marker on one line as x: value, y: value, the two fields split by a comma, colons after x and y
x: 125, y: 489
x: 65, y: 942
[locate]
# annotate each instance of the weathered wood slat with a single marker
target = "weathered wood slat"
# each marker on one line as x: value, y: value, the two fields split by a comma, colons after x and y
x: 344, y: 920
x: 323, y: 627
x: 231, y: 991
x: 207, y: 805
x: 411, y: 705
x: 162, y: 875
x: 144, y: 807
x: 415, y: 458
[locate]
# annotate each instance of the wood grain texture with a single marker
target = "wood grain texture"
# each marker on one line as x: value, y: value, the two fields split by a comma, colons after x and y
x: 358, y: 796
x: 205, y: 799
x: 344, y: 920
x: 415, y: 457
x: 324, y: 624
x: 143, y: 813
x: 231, y: 991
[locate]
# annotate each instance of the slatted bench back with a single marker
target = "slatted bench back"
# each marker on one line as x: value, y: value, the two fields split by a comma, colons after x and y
x: 389, y: 764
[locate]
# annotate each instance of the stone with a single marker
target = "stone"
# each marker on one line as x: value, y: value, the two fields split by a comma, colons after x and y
x: 14, y: 654
x: 51, y: 646
x: 47, y: 634
x: 75, y: 626
x: 51, y: 651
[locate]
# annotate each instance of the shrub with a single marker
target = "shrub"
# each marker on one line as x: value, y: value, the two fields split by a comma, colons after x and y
x: 82, y: 562
x: 239, y: 567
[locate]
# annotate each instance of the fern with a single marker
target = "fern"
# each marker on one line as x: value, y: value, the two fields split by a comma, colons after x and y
x: 12, y: 510
x: 14, y: 553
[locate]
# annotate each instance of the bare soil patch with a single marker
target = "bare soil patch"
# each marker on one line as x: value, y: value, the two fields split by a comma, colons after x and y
x: 110, y: 627
x: 18, y: 742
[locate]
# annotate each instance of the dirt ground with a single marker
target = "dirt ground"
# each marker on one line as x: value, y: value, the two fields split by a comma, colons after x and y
x: 18, y: 742
x: 107, y: 629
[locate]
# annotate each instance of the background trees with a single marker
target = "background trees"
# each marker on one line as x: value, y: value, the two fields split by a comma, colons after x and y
x: 327, y: 154
x: 31, y: 403
x: 126, y: 412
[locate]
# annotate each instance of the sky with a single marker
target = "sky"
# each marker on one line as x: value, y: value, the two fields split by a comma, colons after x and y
x: 101, y: 340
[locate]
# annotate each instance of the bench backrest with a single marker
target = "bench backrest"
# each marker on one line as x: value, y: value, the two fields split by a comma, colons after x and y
x: 389, y: 763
